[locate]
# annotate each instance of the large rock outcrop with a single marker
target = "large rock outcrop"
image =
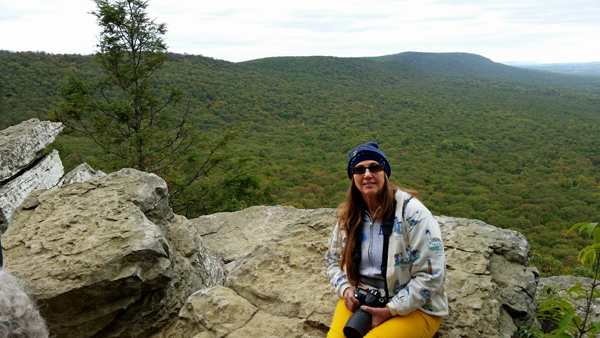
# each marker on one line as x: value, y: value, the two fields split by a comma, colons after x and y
x: 107, y: 258
x: 282, y: 287
x: 23, y: 166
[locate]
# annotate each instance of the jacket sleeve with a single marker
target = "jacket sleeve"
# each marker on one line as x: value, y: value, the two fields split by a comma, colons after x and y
x: 337, y: 277
x: 428, y: 268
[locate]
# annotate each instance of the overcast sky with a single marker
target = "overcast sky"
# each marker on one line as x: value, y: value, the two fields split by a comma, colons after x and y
x: 545, y: 31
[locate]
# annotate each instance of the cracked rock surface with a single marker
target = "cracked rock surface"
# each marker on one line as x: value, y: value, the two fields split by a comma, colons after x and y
x: 233, y: 235
x: 22, y: 144
x: 490, y: 288
x: 24, y: 167
x: 43, y: 174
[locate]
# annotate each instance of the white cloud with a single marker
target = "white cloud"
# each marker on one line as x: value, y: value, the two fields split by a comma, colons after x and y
x: 59, y: 26
x: 235, y: 30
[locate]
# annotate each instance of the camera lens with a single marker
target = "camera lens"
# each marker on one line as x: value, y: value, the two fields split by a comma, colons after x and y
x: 358, y: 325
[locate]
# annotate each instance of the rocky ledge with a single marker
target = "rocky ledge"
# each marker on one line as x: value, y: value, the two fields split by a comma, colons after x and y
x: 280, y: 288
x: 107, y: 258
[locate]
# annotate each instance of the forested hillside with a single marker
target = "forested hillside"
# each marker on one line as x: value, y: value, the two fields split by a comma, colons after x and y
x: 513, y: 147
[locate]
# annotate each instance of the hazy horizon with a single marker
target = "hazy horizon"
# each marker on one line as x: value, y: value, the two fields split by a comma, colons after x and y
x: 508, y: 31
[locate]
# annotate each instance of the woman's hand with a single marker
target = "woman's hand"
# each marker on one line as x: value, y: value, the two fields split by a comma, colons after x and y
x: 349, y: 300
x: 379, y: 314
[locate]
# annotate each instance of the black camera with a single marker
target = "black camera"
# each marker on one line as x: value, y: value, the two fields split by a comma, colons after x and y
x: 360, y: 323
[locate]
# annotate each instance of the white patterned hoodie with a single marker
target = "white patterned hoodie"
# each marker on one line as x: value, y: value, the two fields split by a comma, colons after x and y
x: 416, y: 266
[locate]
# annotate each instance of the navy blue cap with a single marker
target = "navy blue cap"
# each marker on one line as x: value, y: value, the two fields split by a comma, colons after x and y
x: 368, y: 151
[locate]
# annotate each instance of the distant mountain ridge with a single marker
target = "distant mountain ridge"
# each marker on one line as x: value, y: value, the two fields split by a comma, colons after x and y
x: 419, y: 64
x: 467, y: 64
x: 452, y: 63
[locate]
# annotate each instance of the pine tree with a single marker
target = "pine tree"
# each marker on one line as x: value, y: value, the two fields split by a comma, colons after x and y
x: 122, y: 111
x: 143, y: 125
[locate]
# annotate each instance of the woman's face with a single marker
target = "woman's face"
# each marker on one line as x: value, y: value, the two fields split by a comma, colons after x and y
x: 370, y: 184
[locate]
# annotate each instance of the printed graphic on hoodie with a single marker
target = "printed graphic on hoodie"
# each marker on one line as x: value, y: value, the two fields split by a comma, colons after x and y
x: 398, y: 287
x: 435, y: 244
x: 331, y: 258
x: 404, y: 293
x: 341, y: 279
x: 404, y: 261
x: 397, y: 229
x: 412, y: 220
x: 428, y: 306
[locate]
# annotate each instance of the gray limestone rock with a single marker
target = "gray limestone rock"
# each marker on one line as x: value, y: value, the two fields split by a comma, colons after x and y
x: 233, y: 235
x: 107, y: 258
x: 80, y: 173
x: 489, y: 286
x: 192, y: 258
x: 279, y: 290
x: 22, y: 144
x: 287, y: 276
x: 264, y: 324
x: 218, y: 311
x: 44, y: 174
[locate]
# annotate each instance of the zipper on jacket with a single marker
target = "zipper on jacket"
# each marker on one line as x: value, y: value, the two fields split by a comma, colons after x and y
x: 371, y: 222
x: 370, y: 262
x: 371, y: 238
x: 370, y: 242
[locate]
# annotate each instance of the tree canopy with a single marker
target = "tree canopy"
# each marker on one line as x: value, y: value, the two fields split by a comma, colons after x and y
x: 515, y: 148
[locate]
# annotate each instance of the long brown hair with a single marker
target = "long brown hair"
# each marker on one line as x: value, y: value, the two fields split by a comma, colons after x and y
x: 350, y: 216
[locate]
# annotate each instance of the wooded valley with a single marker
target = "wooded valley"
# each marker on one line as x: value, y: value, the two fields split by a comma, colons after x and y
x: 516, y: 148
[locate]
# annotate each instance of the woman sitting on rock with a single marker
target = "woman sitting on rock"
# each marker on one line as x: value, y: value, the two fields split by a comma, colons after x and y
x: 379, y: 217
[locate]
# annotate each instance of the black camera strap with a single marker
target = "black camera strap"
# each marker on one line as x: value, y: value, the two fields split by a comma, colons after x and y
x: 357, y: 253
x: 387, y: 227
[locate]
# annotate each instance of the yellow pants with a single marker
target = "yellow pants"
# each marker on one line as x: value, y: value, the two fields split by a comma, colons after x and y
x: 417, y: 324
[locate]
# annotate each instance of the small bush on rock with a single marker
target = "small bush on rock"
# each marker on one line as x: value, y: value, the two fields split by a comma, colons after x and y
x: 560, y: 309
